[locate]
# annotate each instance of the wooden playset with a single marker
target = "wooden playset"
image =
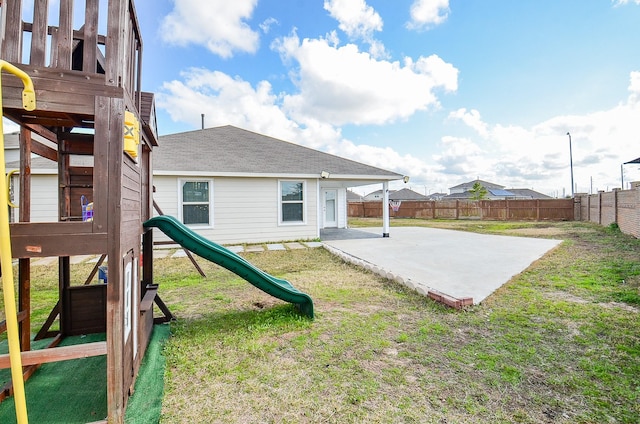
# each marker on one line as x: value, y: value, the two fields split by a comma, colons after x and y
x: 100, y: 129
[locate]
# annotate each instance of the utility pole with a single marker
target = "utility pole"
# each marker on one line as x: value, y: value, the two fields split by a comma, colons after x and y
x: 571, y: 164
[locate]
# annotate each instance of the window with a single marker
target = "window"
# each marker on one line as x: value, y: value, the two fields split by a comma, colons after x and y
x: 291, y: 202
x: 196, y: 203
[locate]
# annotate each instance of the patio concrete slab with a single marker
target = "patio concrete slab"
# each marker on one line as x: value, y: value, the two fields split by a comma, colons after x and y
x: 456, y: 263
x: 276, y: 246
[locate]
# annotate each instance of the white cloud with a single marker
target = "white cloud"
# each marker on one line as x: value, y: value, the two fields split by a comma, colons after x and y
x: 344, y: 85
x: 471, y: 119
x: 355, y: 17
x: 224, y: 100
x: 428, y: 13
x: 359, y: 21
x: 266, y: 25
x: 623, y: 2
x: 218, y: 25
x: 634, y: 84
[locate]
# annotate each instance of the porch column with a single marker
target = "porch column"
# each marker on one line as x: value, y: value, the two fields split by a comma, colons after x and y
x: 385, y: 209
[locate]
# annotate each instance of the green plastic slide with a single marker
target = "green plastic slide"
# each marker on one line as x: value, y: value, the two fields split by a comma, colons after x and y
x: 235, y: 263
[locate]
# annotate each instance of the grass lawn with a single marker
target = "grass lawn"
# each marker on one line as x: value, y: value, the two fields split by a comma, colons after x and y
x: 560, y: 343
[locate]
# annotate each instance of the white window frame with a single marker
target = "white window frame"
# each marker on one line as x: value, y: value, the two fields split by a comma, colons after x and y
x: 181, y: 182
x: 303, y: 201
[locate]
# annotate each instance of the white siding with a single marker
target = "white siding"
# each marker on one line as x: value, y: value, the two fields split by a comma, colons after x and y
x: 342, y: 208
x: 44, y: 198
x: 245, y: 210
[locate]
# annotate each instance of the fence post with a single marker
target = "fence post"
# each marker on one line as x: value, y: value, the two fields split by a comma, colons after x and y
x: 457, y: 209
x: 615, y: 205
x: 537, y: 209
x: 600, y: 207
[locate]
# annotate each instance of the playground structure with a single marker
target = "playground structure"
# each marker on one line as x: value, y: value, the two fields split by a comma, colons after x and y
x: 100, y: 129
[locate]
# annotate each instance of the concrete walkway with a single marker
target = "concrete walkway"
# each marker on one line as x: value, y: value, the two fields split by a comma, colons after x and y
x: 455, y: 267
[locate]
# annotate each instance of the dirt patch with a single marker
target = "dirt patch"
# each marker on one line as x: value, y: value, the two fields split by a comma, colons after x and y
x: 537, y: 232
x: 567, y: 297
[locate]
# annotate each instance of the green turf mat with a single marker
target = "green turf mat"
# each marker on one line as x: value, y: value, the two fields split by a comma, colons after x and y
x: 66, y: 391
x: 75, y: 391
x: 145, y: 404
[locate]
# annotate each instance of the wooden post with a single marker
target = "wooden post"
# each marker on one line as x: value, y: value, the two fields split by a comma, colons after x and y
x: 111, y: 127
x: 64, y: 42
x: 24, y: 264
x: 11, y: 31
x: 39, y: 33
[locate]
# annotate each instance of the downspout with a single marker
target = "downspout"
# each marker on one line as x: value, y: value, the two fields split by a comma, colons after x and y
x: 318, y: 209
x: 385, y: 209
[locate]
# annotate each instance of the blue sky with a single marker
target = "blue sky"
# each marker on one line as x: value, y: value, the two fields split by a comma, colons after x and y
x: 442, y: 90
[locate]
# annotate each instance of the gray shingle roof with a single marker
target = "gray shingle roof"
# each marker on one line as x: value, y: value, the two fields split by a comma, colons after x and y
x: 231, y: 150
x: 470, y: 184
x: 406, y: 194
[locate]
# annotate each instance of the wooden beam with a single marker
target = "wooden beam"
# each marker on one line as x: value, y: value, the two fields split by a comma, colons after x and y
x: 77, y: 144
x: 43, y: 132
x: 57, y: 354
x: 3, y: 323
x: 44, y: 151
x: 77, y: 35
x: 147, y: 300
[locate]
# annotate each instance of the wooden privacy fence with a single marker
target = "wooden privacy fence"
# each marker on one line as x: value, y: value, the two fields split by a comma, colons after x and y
x: 506, y: 210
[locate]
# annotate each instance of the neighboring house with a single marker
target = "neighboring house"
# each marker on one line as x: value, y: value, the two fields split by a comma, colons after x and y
x: 494, y: 192
x: 353, y: 197
x: 11, y: 147
x: 236, y: 186
x: 436, y: 196
x: 403, y: 194
x: 465, y: 187
x: 406, y: 194
x: 375, y: 196
x: 526, y: 193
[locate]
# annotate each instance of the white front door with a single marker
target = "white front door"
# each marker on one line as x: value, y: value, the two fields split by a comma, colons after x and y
x: 330, y: 208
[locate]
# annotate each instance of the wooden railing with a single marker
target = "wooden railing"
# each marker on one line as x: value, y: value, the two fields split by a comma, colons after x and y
x: 76, y: 46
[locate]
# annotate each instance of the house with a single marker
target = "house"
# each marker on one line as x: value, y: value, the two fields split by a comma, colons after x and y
x: 494, y: 192
x: 374, y: 196
x: 11, y: 147
x: 353, y: 196
x: 465, y: 187
x: 234, y: 186
x: 436, y: 196
x: 526, y: 193
x: 406, y: 194
x: 402, y: 194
